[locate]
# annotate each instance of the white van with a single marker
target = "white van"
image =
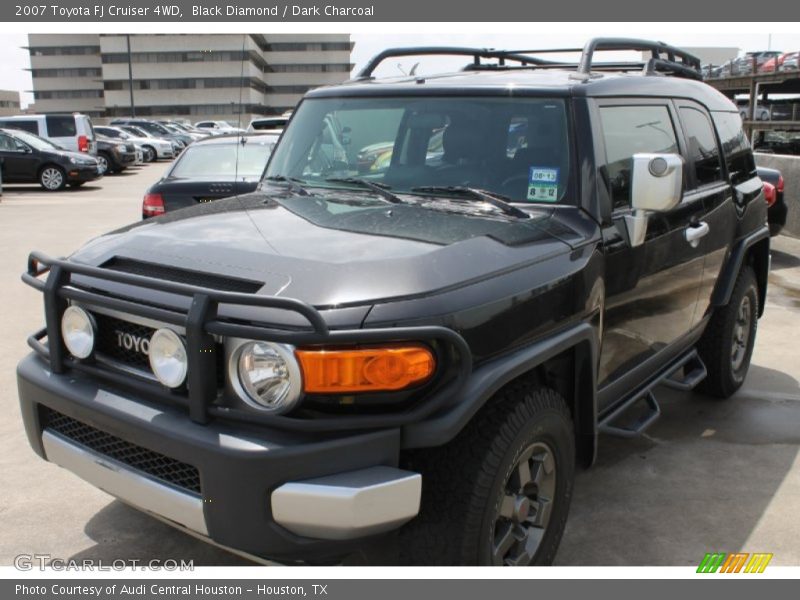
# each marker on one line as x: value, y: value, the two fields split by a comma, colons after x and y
x: 71, y: 132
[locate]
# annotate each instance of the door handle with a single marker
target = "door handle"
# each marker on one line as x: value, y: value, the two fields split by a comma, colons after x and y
x: 695, y: 232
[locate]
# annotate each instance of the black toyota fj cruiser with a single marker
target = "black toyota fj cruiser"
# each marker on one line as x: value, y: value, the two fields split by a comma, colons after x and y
x: 444, y: 290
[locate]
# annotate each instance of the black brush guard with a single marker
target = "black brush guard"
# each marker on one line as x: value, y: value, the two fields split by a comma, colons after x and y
x: 202, y: 323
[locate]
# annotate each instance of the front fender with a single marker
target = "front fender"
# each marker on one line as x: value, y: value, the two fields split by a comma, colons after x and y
x: 487, y: 379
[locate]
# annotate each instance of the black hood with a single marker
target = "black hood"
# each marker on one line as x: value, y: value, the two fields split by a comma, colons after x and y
x: 67, y: 154
x: 337, y: 250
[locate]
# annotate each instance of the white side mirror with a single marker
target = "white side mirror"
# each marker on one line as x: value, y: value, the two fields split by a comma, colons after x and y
x: 656, y: 186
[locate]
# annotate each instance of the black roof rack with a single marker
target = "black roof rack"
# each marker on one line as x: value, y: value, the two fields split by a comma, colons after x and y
x: 689, y: 65
x: 664, y: 58
x: 476, y: 53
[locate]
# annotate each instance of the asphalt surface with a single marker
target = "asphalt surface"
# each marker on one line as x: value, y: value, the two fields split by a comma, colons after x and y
x: 708, y: 476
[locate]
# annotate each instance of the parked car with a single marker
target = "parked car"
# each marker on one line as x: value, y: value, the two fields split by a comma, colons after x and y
x: 268, y: 124
x: 788, y: 61
x: 744, y: 65
x: 218, y: 127
x: 115, y: 135
x: 153, y: 148
x: 778, y: 209
x: 187, y: 128
x: 209, y: 170
x: 156, y: 129
x: 72, y: 132
x: 174, y: 129
x: 762, y: 113
x: 28, y: 158
x: 177, y: 147
x: 114, y: 156
x: 417, y: 360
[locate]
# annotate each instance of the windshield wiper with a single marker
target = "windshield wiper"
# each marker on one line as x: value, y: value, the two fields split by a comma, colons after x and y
x: 294, y: 183
x: 379, y: 188
x: 496, y: 200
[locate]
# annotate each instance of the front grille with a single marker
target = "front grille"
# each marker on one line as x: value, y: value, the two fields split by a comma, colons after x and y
x: 111, y: 341
x: 156, y: 465
x: 198, y: 278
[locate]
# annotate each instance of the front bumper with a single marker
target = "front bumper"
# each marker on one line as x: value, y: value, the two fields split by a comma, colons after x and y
x: 82, y: 173
x: 285, y: 496
x: 126, y: 159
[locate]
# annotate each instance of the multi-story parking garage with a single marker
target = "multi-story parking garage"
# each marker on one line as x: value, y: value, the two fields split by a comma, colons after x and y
x: 192, y: 76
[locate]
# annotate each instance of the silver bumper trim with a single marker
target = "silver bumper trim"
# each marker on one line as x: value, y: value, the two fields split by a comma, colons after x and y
x: 348, y: 505
x: 119, y: 480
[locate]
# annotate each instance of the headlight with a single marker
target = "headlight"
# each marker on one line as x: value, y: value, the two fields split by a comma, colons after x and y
x: 77, y: 329
x: 121, y: 147
x: 266, y: 375
x: 168, y: 358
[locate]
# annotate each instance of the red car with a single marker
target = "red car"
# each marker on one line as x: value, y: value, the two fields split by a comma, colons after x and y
x: 789, y: 61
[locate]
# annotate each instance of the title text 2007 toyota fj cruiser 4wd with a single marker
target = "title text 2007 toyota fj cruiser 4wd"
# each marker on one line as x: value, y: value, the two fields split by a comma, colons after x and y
x: 443, y: 291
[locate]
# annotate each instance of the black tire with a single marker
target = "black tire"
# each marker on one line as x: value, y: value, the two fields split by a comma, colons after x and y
x: 727, y: 343
x: 52, y: 178
x: 468, y: 483
x: 150, y: 154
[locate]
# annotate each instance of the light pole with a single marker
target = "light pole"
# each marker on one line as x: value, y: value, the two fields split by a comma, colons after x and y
x: 130, y: 75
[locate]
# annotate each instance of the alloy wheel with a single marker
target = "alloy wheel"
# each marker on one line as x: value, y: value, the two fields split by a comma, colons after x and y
x: 525, y: 507
x: 52, y: 178
x: 741, y: 333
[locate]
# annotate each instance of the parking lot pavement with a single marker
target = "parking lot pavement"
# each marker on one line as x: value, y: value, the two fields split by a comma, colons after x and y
x: 709, y: 476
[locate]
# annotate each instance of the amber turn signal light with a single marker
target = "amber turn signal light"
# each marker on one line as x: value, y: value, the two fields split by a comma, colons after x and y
x: 365, y: 370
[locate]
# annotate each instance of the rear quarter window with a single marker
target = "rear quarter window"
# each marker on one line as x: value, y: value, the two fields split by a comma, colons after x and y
x: 703, y: 150
x: 61, y: 126
x: 735, y: 146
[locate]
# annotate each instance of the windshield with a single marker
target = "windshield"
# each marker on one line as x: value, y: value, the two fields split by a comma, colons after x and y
x: 515, y: 147
x: 137, y: 131
x: 35, y: 141
x: 219, y: 161
x: 153, y: 128
x: 113, y: 133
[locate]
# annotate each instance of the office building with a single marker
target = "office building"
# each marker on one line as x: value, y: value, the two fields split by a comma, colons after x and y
x: 230, y: 77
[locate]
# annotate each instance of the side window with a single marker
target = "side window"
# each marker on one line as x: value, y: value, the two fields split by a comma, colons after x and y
x: 629, y: 130
x: 703, y: 151
x: 61, y: 126
x: 7, y: 144
x: 735, y: 146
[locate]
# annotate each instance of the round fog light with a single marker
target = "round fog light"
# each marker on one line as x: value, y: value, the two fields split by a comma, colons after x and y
x: 77, y: 329
x: 168, y: 358
x: 268, y: 375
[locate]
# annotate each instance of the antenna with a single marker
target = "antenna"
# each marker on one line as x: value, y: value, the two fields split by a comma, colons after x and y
x: 241, y: 140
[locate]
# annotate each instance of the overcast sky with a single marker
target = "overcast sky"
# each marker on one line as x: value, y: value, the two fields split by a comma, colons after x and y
x: 15, y: 59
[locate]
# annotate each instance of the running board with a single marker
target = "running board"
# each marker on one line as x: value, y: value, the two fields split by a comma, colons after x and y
x: 637, y: 427
x: 693, y: 372
x: 683, y: 374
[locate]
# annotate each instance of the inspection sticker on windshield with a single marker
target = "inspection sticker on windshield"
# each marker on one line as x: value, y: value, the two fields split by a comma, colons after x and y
x: 543, y: 184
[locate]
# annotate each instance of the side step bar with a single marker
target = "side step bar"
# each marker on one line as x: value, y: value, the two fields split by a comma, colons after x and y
x: 683, y: 374
x: 694, y: 371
